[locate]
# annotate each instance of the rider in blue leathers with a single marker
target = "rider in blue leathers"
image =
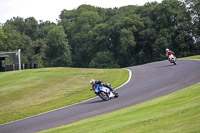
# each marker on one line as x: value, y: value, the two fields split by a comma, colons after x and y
x: 98, y: 82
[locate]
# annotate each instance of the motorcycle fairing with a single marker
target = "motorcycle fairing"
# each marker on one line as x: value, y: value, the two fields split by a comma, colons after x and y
x: 102, y: 88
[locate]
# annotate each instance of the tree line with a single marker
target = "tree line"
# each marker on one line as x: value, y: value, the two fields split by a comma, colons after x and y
x: 107, y: 37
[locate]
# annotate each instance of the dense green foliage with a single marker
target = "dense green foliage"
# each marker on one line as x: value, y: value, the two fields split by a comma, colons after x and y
x: 124, y: 36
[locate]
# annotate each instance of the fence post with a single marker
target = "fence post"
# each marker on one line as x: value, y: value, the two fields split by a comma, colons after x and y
x: 19, y: 58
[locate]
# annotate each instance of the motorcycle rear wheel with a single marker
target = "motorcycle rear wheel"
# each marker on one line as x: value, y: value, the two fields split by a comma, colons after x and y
x: 116, y: 95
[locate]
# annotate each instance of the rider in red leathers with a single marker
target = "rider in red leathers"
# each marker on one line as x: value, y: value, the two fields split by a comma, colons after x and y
x: 169, y: 54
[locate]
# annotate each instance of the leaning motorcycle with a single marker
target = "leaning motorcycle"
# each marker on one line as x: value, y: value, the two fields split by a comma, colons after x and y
x: 172, y: 59
x: 105, y: 93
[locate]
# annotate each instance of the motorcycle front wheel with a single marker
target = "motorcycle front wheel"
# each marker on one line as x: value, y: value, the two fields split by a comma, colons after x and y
x: 103, y: 96
x: 174, y: 62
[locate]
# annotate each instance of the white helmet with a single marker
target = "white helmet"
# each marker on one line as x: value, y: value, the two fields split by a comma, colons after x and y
x: 92, y: 81
x: 167, y: 50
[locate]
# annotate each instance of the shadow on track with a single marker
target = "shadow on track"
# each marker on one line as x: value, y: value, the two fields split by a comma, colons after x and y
x: 166, y: 66
x: 98, y: 101
x: 92, y: 102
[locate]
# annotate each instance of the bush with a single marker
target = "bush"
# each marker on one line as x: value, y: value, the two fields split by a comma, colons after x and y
x: 104, y: 60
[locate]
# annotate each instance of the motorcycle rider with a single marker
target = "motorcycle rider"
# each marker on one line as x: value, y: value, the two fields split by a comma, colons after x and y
x: 98, y: 82
x: 169, y: 54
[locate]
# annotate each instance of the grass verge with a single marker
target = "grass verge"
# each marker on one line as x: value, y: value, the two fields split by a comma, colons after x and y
x: 176, y: 112
x: 33, y: 91
x: 191, y: 57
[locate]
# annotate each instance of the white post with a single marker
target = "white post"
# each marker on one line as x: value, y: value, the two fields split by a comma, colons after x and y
x: 19, y: 59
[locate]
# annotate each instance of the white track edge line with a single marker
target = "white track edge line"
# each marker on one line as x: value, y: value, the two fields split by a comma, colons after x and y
x: 130, y: 75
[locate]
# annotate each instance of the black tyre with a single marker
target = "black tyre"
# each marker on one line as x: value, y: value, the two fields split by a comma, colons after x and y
x: 174, y: 63
x: 103, y: 96
x: 116, y: 94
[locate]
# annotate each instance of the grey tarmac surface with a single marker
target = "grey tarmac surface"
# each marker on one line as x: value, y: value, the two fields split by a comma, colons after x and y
x: 148, y: 81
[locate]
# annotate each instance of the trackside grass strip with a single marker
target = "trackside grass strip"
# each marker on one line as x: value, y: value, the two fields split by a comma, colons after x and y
x: 178, y: 112
x: 192, y: 57
x: 33, y: 91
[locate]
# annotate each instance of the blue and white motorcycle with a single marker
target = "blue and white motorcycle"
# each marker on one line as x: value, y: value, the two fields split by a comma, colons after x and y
x: 105, y: 93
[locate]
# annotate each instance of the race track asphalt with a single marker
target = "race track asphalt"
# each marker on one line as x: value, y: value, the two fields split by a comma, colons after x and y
x: 148, y: 81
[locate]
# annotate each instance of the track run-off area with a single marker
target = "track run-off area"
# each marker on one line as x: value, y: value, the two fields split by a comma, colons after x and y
x: 147, y: 82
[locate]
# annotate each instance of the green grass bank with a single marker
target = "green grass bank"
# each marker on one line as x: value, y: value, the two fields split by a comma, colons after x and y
x: 191, y: 57
x: 33, y: 91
